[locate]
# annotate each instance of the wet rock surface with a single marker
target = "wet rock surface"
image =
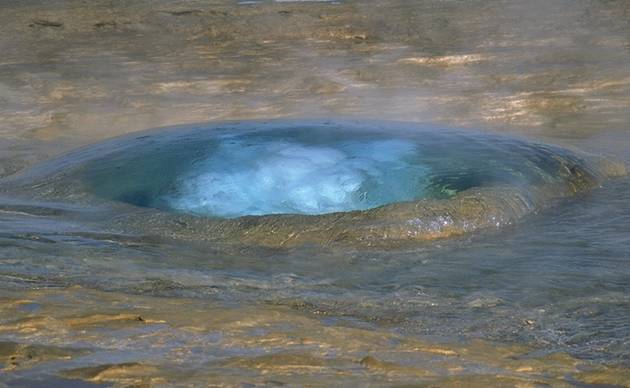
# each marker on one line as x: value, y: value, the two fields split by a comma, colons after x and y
x: 283, y: 347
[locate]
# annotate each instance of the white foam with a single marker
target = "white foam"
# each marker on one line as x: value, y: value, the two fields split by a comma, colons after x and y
x: 275, y: 177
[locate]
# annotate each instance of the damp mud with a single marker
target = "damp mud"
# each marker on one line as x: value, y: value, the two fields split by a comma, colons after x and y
x: 337, y: 193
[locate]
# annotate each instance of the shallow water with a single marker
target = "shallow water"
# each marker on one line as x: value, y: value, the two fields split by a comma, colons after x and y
x: 101, y: 282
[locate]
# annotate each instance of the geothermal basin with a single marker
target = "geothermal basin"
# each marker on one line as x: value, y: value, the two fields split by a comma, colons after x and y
x: 285, y: 183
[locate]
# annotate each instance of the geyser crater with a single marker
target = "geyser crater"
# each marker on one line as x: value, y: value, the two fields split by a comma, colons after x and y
x: 279, y: 183
x: 309, y: 168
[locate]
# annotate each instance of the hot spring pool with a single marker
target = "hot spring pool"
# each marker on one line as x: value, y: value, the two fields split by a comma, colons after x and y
x: 321, y: 182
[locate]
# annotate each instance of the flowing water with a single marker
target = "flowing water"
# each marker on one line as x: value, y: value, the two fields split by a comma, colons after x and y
x: 489, y: 246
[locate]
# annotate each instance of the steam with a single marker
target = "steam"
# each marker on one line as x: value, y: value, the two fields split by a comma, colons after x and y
x: 88, y: 72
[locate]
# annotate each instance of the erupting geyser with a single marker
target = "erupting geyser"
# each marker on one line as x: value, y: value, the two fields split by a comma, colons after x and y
x: 279, y: 183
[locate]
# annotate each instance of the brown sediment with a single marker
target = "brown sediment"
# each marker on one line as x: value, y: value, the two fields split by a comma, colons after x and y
x: 15, y: 356
x: 126, y: 373
x: 614, y: 375
x: 46, y: 23
x: 448, y: 60
x: 392, y: 369
x: 291, y: 346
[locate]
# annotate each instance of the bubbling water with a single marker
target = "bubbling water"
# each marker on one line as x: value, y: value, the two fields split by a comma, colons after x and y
x: 278, y: 176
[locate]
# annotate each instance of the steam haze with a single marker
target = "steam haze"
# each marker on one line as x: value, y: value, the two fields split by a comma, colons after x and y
x: 74, y: 73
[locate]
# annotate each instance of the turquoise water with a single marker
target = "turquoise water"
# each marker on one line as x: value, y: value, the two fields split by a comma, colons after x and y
x: 258, y: 176
x: 315, y: 168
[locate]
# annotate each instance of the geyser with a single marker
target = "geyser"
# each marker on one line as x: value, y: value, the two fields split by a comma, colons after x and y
x: 280, y: 183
